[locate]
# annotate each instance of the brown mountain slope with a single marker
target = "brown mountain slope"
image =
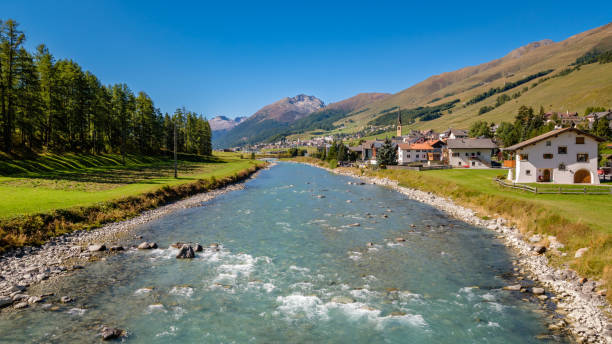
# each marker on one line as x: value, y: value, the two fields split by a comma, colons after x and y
x: 289, y: 109
x: 358, y: 101
x: 467, y: 82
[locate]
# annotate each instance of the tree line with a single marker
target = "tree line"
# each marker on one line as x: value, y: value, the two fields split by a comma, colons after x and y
x: 54, y: 105
x: 527, y: 124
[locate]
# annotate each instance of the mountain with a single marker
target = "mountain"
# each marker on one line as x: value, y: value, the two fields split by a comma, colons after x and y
x: 269, y: 120
x: 220, y: 123
x: 542, y: 73
x: 288, y: 109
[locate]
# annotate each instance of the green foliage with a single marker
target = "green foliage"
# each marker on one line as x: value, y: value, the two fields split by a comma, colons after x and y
x: 410, y: 115
x: 49, y: 105
x: 387, y: 154
x: 479, y: 129
x: 296, y: 152
x: 601, y: 128
x: 333, y: 163
x: 252, y: 155
x: 509, y: 85
x: 485, y: 109
x: 592, y: 109
x: 595, y: 55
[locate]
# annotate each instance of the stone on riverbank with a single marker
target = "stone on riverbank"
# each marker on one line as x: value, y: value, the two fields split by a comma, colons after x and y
x: 516, y: 287
x: 186, y: 252
x: 198, y: 248
x: 5, y: 301
x: 400, y: 239
x: 21, y: 305
x: 66, y: 299
x: 96, y: 248
x: 537, y: 291
x: 116, y: 248
x: 539, y: 249
x: 580, y: 252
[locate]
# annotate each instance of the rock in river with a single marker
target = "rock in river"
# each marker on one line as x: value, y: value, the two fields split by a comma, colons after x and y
x: 5, y: 301
x: 186, y: 252
x: 342, y: 299
x: 109, y: 333
x: 537, y: 291
x: 66, y: 299
x: 198, y: 248
x: 147, y: 245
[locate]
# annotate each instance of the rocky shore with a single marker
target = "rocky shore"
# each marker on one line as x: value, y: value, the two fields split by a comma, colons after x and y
x: 22, y: 269
x: 576, y: 298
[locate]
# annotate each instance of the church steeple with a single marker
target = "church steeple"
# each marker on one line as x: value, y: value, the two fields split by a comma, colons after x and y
x: 399, y: 123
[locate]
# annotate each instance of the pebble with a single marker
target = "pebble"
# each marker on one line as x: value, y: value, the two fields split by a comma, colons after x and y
x: 109, y: 333
x: 96, y: 248
x: 516, y: 287
x: 66, y: 299
x: 537, y: 291
x: 20, y: 305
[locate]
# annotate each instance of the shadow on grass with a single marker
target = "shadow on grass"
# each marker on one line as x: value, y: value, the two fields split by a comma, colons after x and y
x: 103, y: 168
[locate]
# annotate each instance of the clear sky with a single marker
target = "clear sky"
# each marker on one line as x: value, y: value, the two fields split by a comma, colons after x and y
x: 231, y: 58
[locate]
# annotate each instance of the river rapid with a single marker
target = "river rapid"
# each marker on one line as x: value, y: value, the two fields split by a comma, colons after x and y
x: 304, y: 257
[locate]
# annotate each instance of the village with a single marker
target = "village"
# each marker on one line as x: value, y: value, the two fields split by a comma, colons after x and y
x: 566, y: 154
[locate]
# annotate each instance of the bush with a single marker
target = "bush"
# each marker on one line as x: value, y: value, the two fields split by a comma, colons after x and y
x: 333, y: 163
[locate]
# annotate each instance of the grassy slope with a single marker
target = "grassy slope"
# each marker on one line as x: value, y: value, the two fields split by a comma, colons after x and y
x: 590, y: 86
x: 37, y: 189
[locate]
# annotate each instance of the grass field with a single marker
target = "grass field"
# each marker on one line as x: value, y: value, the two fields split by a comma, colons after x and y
x: 65, y: 181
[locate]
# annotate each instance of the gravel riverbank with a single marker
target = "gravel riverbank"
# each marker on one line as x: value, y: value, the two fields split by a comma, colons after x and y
x: 584, y: 308
x: 24, y: 268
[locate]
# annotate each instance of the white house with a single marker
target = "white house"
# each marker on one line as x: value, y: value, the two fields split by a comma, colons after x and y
x: 419, y: 152
x: 563, y: 156
x: 470, y: 153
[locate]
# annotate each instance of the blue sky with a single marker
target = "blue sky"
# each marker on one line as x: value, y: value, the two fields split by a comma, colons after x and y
x: 232, y: 58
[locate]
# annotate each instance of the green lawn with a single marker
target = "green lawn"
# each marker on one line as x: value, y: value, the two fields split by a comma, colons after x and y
x: 593, y: 210
x: 58, y: 182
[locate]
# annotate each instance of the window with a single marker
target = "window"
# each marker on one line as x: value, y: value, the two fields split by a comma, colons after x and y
x: 582, y: 157
x: 473, y: 163
x: 455, y: 154
x: 548, y: 143
x: 467, y: 154
x: 408, y: 156
x: 562, y: 150
x: 548, y: 156
x: 459, y: 163
x: 477, y: 153
x: 579, y: 140
x: 473, y: 154
x: 524, y: 157
x: 561, y: 167
x: 528, y: 172
x: 417, y: 156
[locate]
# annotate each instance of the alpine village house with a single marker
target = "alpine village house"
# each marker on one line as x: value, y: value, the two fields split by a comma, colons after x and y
x: 562, y: 156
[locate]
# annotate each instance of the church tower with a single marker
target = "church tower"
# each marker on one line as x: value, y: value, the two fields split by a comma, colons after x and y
x: 399, y: 123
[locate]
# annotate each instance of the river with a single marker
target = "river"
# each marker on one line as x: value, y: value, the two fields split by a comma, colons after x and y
x: 295, y: 267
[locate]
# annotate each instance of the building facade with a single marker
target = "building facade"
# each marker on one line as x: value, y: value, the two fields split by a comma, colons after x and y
x: 562, y: 156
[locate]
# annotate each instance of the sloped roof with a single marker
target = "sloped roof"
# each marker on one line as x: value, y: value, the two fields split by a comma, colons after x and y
x: 470, y: 143
x: 549, y: 134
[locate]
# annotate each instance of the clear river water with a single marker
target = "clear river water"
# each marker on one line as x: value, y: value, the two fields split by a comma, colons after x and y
x: 293, y: 267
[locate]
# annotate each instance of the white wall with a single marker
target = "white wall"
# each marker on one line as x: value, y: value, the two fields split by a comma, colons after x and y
x: 465, y: 155
x: 536, y: 160
x: 405, y: 156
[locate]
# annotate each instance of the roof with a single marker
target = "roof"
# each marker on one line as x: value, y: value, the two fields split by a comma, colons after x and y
x: 599, y: 114
x: 424, y: 146
x: 552, y: 133
x: 356, y: 149
x: 458, y: 132
x: 470, y: 143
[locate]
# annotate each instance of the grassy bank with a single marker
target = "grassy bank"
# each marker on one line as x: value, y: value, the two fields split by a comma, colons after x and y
x: 41, y: 202
x: 576, y: 220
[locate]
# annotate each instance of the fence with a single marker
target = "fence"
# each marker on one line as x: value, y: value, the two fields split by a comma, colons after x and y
x: 550, y: 189
x: 418, y: 168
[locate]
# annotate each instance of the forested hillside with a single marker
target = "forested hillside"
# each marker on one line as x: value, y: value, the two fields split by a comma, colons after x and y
x: 54, y: 105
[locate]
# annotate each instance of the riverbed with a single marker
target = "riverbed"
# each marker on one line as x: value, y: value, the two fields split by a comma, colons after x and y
x: 303, y: 257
